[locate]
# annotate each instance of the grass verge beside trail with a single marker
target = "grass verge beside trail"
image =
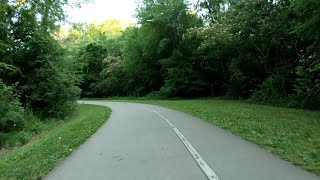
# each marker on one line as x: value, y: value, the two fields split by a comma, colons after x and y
x: 292, y: 134
x: 35, y: 159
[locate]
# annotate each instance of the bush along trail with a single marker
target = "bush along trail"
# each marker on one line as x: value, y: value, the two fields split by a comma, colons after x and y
x: 45, y: 150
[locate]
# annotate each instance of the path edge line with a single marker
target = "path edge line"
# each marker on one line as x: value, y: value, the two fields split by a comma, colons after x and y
x: 210, y: 174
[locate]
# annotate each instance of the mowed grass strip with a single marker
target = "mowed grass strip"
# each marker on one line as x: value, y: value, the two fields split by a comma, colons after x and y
x: 293, y: 135
x: 35, y: 159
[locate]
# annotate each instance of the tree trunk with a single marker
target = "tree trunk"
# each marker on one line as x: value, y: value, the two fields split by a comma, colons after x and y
x: 45, y: 17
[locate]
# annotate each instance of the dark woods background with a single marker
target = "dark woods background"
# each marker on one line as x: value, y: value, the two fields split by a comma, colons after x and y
x: 266, y: 51
x: 261, y: 50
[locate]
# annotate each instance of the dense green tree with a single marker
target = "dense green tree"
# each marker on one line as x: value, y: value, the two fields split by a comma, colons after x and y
x: 213, y: 11
x: 163, y: 24
x: 308, y: 83
x: 46, y: 84
x: 32, y: 59
x: 262, y: 50
x: 266, y: 50
x: 141, y: 61
x: 94, y: 48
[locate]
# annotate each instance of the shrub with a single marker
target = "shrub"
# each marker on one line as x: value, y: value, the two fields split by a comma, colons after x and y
x: 271, y: 92
x: 11, y: 112
x: 155, y: 95
x: 18, y: 139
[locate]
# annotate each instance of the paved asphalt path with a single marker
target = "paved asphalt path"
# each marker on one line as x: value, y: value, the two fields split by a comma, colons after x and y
x: 137, y: 144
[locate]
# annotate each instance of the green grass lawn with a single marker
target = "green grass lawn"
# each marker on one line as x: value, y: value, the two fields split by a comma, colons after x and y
x: 36, y: 158
x: 292, y: 134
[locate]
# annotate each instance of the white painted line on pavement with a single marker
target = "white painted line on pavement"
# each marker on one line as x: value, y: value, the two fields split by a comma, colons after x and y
x: 196, y: 156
